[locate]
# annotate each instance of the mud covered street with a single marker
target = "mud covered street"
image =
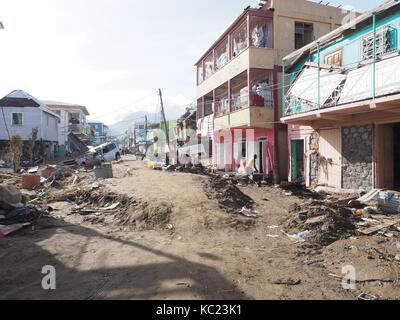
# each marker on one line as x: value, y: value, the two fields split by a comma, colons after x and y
x: 149, y: 234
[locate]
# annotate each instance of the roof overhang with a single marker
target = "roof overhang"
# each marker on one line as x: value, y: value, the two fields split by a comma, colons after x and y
x: 380, y: 110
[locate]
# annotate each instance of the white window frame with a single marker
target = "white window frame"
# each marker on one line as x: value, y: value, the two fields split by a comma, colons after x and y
x: 12, y: 119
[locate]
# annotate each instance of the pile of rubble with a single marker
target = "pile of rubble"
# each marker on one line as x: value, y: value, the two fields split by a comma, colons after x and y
x: 228, y: 195
x: 324, y: 222
x: 96, y: 205
x: 14, y: 213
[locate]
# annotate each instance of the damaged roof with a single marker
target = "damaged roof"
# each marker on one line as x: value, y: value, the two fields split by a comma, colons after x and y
x: 22, y: 99
x: 65, y: 105
x: 356, y: 23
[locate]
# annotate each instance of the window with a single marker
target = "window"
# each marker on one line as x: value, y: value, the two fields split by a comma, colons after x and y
x: 334, y: 59
x: 17, y: 119
x: 200, y: 73
x: 209, y: 65
x: 385, y: 43
x: 304, y: 34
x: 239, y: 40
x: 260, y: 32
x: 221, y: 55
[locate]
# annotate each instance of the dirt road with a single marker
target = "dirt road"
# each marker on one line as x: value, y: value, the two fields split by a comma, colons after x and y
x: 176, y: 240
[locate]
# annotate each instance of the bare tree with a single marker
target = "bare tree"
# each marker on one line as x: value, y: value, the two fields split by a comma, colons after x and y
x: 32, y: 143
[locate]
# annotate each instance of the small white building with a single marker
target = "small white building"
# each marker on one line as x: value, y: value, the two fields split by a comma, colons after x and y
x: 20, y: 114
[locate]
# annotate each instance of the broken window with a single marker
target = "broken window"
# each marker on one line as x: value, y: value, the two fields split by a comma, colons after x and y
x: 304, y: 34
x: 261, y: 94
x: 200, y: 109
x: 334, y: 59
x: 17, y: 119
x: 385, y: 43
x: 200, y: 73
x: 209, y: 65
x: 221, y: 54
x: 239, y: 40
x: 261, y: 35
x: 240, y: 92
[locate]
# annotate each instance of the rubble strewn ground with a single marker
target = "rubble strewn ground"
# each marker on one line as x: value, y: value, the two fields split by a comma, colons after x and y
x: 144, y: 233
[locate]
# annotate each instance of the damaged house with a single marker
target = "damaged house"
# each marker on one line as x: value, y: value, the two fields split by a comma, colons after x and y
x: 238, y: 79
x: 343, y: 105
x: 21, y: 115
x: 73, y: 119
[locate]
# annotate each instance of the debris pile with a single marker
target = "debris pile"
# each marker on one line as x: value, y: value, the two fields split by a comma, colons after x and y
x: 98, y: 206
x: 15, y: 215
x: 228, y: 195
x: 322, y: 222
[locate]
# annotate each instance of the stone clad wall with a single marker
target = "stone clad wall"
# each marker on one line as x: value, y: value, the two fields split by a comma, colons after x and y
x: 357, y: 152
x: 314, y: 141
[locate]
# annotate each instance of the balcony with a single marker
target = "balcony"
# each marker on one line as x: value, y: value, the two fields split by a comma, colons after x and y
x: 336, y: 91
x: 369, y: 92
x: 246, y: 117
x: 235, y: 105
x: 80, y: 129
x: 248, y: 43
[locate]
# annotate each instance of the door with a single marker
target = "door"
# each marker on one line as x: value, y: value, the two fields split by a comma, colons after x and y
x: 330, y: 159
x: 298, y: 160
x: 262, y: 155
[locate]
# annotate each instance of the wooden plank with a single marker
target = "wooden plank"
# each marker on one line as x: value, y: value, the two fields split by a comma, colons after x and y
x: 378, y: 227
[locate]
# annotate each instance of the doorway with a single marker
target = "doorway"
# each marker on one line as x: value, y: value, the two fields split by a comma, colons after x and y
x: 396, y: 156
x: 388, y: 156
x: 262, y: 156
x: 298, y: 160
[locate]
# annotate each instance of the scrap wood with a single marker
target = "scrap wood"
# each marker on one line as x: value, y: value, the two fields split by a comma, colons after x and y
x: 7, y: 230
x: 372, y: 195
x: 378, y: 227
x: 288, y: 282
x: 362, y: 281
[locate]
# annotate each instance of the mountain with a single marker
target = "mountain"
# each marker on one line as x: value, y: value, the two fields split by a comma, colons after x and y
x: 128, y: 121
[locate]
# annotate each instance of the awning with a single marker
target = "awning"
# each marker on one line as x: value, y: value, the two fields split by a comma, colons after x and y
x: 306, y: 85
x: 359, y: 82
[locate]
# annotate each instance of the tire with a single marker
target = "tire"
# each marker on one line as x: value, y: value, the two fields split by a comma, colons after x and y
x: 117, y: 156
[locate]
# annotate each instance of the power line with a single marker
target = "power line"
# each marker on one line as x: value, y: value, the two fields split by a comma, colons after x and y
x: 127, y: 106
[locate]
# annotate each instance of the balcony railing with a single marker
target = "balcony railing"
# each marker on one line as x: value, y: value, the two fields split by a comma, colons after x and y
x: 79, y: 129
x: 375, y: 74
x: 252, y: 30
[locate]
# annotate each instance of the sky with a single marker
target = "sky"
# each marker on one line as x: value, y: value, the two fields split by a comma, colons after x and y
x: 113, y: 55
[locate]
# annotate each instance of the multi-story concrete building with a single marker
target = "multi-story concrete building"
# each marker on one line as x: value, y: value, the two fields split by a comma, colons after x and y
x: 238, y: 81
x: 101, y: 131
x: 73, y: 119
x: 346, y: 93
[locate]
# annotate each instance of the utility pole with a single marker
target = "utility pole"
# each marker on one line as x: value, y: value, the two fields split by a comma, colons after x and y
x: 134, y: 141
x: 166, y: 127
x: 145, y: 137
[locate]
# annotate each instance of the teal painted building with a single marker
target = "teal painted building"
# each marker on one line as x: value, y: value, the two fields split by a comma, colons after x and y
x: 341, y: 100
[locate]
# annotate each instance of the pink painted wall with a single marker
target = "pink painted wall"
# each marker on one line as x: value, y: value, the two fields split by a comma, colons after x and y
x: 235, y: 137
